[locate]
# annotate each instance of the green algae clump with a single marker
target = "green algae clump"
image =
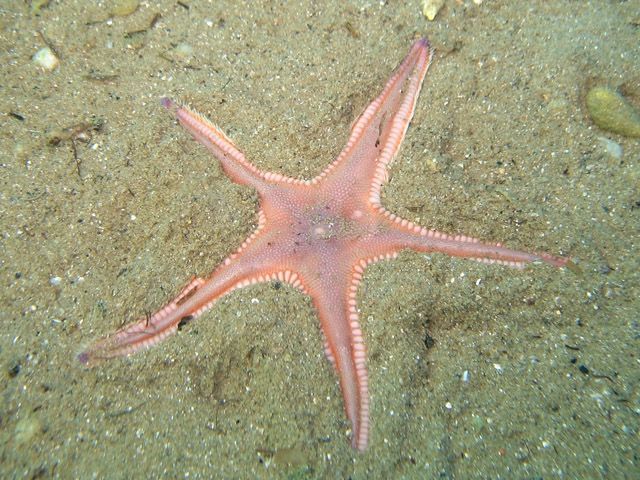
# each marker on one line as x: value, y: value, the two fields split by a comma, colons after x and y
x: 611, y: 112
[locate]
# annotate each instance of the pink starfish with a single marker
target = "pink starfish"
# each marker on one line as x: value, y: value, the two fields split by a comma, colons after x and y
x: 319, y: 235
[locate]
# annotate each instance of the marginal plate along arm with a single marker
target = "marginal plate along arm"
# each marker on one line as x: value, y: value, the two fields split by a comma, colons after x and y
x: 377, y: 134
x: 233, y: 161
x: 345, y: 349
x: 409, y: 235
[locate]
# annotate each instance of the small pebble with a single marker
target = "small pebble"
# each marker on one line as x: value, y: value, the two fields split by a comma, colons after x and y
x: 294, y: 457
x: 26, y: 429
x: 611, y: 112
x: 183, y: 51
x: 14, y: 370
x: 37, y: 5
x: 477, y: 422
x: 430, y: 8
x: 55, y: 281
x: 122, y: 8
x: 613, y: 149
x: 46, y: 59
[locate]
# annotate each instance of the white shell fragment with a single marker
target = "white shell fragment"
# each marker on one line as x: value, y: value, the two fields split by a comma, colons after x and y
x: 46, y: 59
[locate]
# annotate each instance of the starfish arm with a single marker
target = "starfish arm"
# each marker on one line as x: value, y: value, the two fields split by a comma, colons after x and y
x: 377, y: 134
x: 237, y: 271
x: 145, y: 331
x: 233, y: 161
x: 345, y: 349
x: 406, y: 234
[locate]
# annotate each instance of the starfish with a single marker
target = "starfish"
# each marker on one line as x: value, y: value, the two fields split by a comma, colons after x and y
x: 319, y: 235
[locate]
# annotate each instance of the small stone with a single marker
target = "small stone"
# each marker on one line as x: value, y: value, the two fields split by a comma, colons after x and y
x: 290, y: 457
x: 26, y: 429
x: 613, y: 149
x: 37, y: 5
x: 477, y: 422
x: 430, y: 8
x: 14, y: 370
x: 183, y: 51
x: 122, y: 8
x: 611, y: 112
x: 46, y: 59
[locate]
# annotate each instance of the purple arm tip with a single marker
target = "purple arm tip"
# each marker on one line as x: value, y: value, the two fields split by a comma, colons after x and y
x: 83, y: 358
x: 166, y: 102
x: 424, y: 42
